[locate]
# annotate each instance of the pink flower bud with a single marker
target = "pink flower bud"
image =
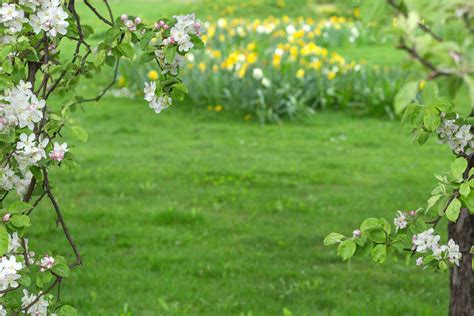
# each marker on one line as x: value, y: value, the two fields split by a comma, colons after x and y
x: 161, y: 23
x: 197, y: 25
x: 412, y: 213
x: 47, y: 24
x: 124, y: 18
x: 166, y: 26
x: 6, y: 217
x: 172, y: 41
x: 157, y: 26
x: 356, y: 233
x: 138, y: 20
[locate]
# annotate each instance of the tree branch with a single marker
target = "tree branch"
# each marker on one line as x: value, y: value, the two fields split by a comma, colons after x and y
x: 61, y: 219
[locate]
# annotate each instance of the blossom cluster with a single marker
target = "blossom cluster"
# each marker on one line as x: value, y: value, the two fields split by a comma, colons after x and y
x: 48, y: 16
x: 20, y: 108
x: 427, y: 241
x: 459, y: 138
x: 181, y: 33
x: 157, y: 103
x: 12, y: 18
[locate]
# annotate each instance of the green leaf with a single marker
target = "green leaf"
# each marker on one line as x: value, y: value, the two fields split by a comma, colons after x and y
x: 346, y: 249
x: 370, y: 223
x: 99, y: 58
x: 405, y: 95
x: 386, y: 226
x: 43, y: 278
x: 67, y: 310
x: 430, y: 93
x: 431, y: 119
x: 36, y: 171
x: 170, y: 53
x: 126, y: 50
x: 19, y: 207
x: 465, y: 189
x: 464, y: 98
x: 25, y: 280
x: 458, y: 167
x: 378, y: 235
x: 442, y: 265
x: 469, y: 201
x: 333, y: 238
x: 432, y: 201
x: 61, y: 269
x: 453, y: 210
x: 80, y: 133
x: 3, y: 240
x: 379, y: 253
x: 20, y: 220
x: 112, y: 34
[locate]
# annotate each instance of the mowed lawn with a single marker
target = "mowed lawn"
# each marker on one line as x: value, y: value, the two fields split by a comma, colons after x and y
x: 204, y: 214
x: 201, y: 214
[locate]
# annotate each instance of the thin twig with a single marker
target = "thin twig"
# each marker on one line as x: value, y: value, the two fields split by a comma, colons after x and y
x: 61, y: 219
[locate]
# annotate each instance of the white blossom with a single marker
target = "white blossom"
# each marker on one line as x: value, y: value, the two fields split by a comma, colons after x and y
x: 30, y: 151
x: 12, y: 17
x: 161, y: 103
x: 9, y: 275
x: 58, y: 152
x: 13, y: 243
x: 19, y: 107
x: 454, y: 255
x: 8, y: 178
x: 46, y: 263
x: 457, y: 137
x: 40, y: 308
x: 400, y: 221
x: 425, y: 241
x: 180, y: 33
x: 50, y: 18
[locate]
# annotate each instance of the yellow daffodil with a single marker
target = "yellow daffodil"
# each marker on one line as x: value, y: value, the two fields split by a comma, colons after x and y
x: 202, y: 67
x: 153, y: 75
x: 300, y: 73
x: 331, y: 75
x: 252, y: 58
x: 121, y: 81
x: 218, y: 108
x: 422, y: 84
x: 357, y: 12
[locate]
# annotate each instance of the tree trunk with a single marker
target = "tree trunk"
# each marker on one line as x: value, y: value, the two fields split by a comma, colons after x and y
x: 462, y: 277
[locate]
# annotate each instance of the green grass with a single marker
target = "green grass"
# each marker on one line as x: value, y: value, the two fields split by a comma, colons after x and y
x: 211, y: 216
x: 203, y: 214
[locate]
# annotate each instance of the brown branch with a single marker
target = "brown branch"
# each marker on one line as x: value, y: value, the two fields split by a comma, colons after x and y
x: 422, y: 26
x: 109, y: 9
x: 86, y: 2
x: 61, y: 219
x: 435, y: 72
x: 107, y: 88
x: 38, y: 297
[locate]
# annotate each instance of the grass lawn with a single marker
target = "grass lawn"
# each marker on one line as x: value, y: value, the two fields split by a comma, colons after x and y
x: 205, y: 215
